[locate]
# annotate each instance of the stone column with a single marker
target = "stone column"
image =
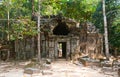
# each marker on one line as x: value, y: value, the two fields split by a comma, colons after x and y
x: 68, y: 50
x: 55, y: 49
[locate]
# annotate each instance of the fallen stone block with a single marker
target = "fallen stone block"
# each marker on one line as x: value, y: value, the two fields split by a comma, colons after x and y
x: 47, y: 72
x: 31, y: 70
x: 88, y: 62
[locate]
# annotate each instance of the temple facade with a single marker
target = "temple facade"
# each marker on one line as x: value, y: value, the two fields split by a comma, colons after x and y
x: 62, y: 37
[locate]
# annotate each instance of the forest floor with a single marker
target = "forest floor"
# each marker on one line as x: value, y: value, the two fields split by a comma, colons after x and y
x: 58, y: 69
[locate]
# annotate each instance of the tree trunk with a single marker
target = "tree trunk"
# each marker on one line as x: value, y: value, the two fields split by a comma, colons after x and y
x: 16, y: 49
x: 8, y: 25
x: 32, y: 47
x: 24, y: 43
x: 115, y: 52
x: 39, y: 52
x: 33, y: 14
x: 33, y: 17
x: 32, y: 7
x: 105, y: 31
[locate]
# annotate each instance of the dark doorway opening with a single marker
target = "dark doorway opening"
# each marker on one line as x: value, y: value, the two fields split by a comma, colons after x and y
x: 62, y: 50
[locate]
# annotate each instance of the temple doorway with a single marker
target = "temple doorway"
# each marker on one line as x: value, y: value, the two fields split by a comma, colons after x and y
x: 61, y: 49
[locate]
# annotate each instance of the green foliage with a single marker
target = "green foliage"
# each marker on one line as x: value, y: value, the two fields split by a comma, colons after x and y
x: 113, y: 22
x: 115, y: 39
x: 78, y: 9
x: 98, y: 17
x: 21, y: 28
x: 50, y: 7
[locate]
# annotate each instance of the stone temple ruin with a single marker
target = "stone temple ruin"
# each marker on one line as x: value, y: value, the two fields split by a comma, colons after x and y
x: 65, y: 38
x: 61, y: 37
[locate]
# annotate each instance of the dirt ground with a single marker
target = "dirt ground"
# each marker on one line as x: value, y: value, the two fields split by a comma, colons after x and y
x: 58, y: 69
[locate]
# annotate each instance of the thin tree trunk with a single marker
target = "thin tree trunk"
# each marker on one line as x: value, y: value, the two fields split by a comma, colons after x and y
x: 8, y: 34
x: 24, y: 49
x: 32, y: 7
x: 105, y: 31
x: 8, y: 25
x: 8, y: 55
x: 16, y: 51
x: 33, y: 14
x: 8, y: 17
x: 32, y: 47
x: 115, y: 53
x: 39, y: 52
